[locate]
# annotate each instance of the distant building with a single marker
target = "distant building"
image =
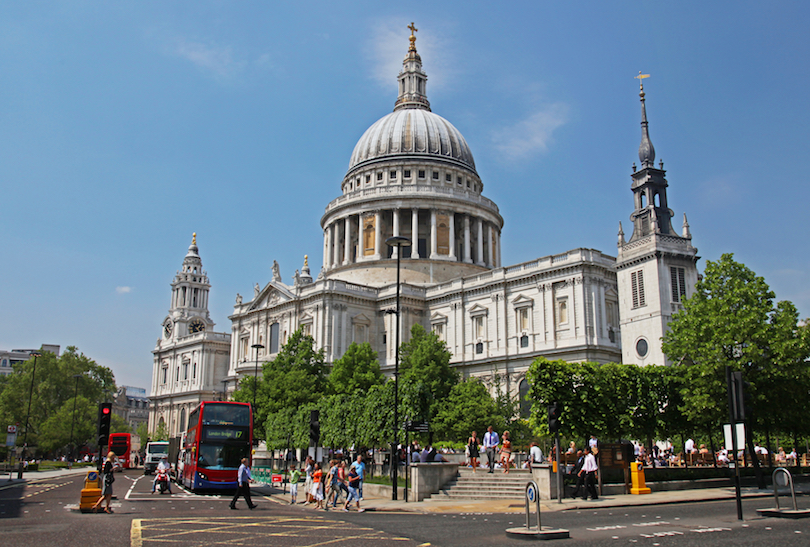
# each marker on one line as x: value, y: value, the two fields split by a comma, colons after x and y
x: 132, y: 405
x: 16, y: 356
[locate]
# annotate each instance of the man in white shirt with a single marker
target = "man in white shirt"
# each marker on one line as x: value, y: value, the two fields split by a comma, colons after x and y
x: 689, y: 446
x: 535, y: 455
x: 589, y: 468
x: 491, y: 442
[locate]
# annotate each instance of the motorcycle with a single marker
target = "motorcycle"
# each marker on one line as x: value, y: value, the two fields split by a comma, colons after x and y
x: 162, y: 481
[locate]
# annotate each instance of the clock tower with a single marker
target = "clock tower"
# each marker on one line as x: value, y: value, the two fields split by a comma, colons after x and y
x: 190, y: 360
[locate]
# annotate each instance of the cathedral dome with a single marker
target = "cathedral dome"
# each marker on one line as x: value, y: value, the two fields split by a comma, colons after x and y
x: 413, y: 132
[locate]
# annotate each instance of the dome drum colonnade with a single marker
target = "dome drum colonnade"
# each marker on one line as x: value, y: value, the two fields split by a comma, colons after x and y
x: 412, y: 174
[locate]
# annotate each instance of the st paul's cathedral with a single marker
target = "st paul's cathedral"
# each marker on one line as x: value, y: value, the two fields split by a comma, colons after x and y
x: 412, y: 174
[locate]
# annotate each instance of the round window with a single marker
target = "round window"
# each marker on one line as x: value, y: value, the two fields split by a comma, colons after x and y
x: 641, y: 348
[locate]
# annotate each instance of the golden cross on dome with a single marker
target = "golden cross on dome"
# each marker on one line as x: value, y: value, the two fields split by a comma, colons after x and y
x: 194, y: 238
x: 306, y: 261
x: 640, y: 79
x: 413, y: 37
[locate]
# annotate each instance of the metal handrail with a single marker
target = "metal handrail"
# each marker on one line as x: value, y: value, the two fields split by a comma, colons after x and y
x: 775, y: 487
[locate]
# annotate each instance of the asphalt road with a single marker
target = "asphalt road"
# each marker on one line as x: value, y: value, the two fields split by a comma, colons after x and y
x: 45, y: 512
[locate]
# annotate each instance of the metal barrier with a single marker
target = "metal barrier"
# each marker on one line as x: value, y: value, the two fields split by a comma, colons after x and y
x: 788, y: 481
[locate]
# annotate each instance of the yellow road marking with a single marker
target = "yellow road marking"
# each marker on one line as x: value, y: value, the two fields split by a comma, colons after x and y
x: 135, y: 537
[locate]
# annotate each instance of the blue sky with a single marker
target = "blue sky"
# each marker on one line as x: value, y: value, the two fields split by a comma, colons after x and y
x: 125, y: 127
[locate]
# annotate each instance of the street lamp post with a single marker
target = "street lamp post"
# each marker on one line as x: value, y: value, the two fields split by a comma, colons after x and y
x: 73, y: 422
x: 35, y: 354
x: 398, y: 242
x: 257, y: 347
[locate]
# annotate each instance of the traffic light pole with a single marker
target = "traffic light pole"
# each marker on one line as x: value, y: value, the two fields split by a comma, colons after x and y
x: 559, y: 467
x: 733, y: 405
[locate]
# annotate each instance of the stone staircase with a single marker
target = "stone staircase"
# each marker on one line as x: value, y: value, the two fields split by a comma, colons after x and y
x: 485, y: 486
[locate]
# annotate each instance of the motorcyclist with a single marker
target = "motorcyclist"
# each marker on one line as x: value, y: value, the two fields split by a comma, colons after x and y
x: 162, y: 467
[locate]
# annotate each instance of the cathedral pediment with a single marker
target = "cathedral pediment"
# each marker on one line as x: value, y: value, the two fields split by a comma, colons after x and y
x: 273, y: 294
x: 522, y: 301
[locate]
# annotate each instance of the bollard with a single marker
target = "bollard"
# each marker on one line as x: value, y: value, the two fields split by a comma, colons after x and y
x: 637, y: 476
x: 539, y: 532
x: 91, y: 492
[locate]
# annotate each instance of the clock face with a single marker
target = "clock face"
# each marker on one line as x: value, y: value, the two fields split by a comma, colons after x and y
x: 167, y: 329
x: 196, y: 325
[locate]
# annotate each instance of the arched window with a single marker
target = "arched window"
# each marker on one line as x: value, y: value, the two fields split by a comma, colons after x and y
x: 182, y: 419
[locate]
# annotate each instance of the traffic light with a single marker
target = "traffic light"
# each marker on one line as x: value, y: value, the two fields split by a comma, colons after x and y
x: 314, y: 427
x: 554, y: 411
x: 742, y: 399
x: 104, y: 416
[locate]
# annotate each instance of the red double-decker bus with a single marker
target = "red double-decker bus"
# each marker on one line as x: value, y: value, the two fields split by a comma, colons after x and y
x: 121, y: 444
x: 219, y: 435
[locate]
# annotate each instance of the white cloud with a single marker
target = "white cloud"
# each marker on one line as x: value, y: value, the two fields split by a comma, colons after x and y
x: 123, y: 290
x: 531, y: 135
x: 217, y: 60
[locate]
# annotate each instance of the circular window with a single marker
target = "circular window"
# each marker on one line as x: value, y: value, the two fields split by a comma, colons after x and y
x: 641, y: 348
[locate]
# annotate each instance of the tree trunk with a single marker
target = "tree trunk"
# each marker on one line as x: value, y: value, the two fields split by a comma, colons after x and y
x: 749, y: 438
x: 711, y: 447
x: 768, y: 444
x: 685, y: 459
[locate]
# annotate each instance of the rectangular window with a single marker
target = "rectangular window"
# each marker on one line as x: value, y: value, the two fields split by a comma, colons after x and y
x: 478, y: 326
x: 368, y: 179
x: 393, y: 175
x: 637, y: 280
x: 459, y: 180
x: 164, y: 375
x: 435, y: 175
x: 274, y: 338
x: 562, y: 311
x: 407, y: 173
x: 421, y: 173
x: 438, y: 330
x: 194, y: 371
x: 306, y: 329
x: 379, y: 175
x: 185, y: 370
x: 678, y: 277
x: 448, y: 177
x: 523, y: 319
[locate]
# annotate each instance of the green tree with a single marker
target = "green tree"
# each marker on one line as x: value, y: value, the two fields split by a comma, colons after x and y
x: 731, y: 321
x: 294, y: 379
x: 160, y: 433
x: 425, y: 358
x: 57, y: 380
x: 357, y: 370
x: 469, y: 407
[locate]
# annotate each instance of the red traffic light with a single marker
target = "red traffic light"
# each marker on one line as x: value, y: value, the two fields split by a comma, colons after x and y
x: 105, y: 410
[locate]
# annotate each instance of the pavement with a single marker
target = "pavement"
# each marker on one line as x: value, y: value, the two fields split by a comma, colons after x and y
x: 373, y: 503
x: 376, y: 503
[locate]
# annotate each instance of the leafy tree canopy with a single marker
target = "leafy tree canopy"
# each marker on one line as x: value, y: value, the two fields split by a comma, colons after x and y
x: 56, y: 382
x: 425, y: 358
x: 469, y: 407
x: 357, y: 370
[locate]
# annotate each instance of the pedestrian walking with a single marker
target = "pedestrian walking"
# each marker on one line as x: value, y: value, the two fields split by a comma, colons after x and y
x: 506, y: 452
x: 308, y: 465
x: 589, y: 468
x: 354, y: 495
x: 332, y: 481
x: 317, y: 483
x: 342, y: 484
x: 491, y: 443
x: 472, y: 448
x: 580, y: 476
x: 107, y: 480
x: 243, y: 479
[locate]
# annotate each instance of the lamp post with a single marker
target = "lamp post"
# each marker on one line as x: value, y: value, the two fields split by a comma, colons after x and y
x: 398, y: 242
x: 35, y: 354
x: 73, y: 422
x: 225, y: 389
x: 257, y: 347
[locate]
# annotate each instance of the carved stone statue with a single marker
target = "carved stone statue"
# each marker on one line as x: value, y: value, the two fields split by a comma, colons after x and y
x: 276, y: 272
x: 238, y: 298
x: 256, y: 290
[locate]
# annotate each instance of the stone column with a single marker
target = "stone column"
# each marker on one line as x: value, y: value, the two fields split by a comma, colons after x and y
x: 490, y: 256
x: 415, y: 233
x: 396, y: 232
x: 498, y: 237
x: 360, y: 238
x: 433, y: 238
x: 347, y: 232
x: 335, y: 252
x: 327, y: 252
x: 479, y: 255
x: 467, y: 257
x: 377, y: 235
x: 452, y: 239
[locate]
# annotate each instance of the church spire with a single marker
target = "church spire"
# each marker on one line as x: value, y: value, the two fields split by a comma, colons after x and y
x: 412, y: 79
x: 646, y: 151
